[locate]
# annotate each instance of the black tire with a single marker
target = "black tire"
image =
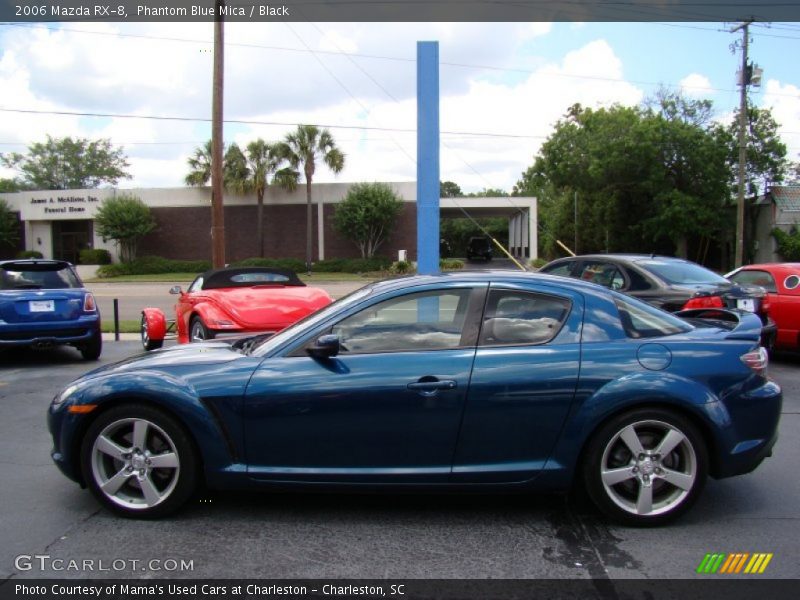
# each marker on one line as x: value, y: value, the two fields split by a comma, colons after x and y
x: 647, y: 489
x: 163, y: 439
x: 92, y: 349
x: 198, y: 330
x: 147, y: 343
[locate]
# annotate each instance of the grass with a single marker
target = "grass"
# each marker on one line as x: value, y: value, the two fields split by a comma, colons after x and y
x: 185, y: 278
x: 125, y: 326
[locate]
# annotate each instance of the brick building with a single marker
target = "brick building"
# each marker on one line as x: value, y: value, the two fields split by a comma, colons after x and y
x: 59, y: 223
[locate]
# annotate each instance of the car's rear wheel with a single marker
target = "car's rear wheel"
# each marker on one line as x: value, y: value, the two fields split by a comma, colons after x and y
x: 92, y: 349
x: 198, y: 330
x: 646, y: 467
x: 147, y: 342
x: 139, y: 461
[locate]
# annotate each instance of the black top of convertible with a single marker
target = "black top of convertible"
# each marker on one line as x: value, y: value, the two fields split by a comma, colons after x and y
x: 248, y: 277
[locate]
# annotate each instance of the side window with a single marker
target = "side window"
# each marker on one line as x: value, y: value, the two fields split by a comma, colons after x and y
x: 564, y: 269
x: 639, y: 282
x: 640, y: 320
x: 421, y: 321
x: 762, y: 278
x: 196, y: 286
x: 605, y: 274
x: 517, y: 318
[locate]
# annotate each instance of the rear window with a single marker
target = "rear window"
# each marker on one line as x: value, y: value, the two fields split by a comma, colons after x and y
x: 680, y: 272
x: 46, y: 276
x: 641, y: 320
x: 754, y: 277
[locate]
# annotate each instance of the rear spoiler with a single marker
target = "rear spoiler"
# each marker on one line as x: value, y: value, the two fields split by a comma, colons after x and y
x: 742, y: 325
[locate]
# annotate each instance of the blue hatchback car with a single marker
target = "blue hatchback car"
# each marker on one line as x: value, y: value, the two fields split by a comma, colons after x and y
x: 461, y: 381
x: 43, y: 303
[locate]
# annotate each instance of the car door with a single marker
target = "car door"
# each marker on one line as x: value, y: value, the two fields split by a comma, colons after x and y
x: 386, y: 409
x: 523, y: 383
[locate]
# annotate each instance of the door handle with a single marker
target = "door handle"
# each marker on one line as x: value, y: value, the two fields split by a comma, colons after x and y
x: 430, y: 387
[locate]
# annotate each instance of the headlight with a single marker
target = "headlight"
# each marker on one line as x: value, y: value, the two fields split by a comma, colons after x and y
x: 65, y: 393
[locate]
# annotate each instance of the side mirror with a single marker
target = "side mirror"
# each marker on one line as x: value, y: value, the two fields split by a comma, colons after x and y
x: 326, y: 346
x: 175, y: 290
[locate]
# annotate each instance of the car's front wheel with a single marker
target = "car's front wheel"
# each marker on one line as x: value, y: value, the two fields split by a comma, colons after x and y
x: 139, y: 461
x: 198, y: 331
x: 646, y: 467
x: 147, y: 342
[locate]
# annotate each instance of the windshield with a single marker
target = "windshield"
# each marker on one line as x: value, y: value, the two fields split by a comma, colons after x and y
x: 310, y: 321
x: 681, y: 272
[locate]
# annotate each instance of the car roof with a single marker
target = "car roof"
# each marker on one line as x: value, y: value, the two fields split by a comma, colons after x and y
x: 44, y: 262
x: 623, y: 257
x: 488, y: 276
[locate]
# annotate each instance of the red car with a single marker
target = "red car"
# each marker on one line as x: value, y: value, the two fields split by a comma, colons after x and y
x: 782, y: 282
x: 233, y: 301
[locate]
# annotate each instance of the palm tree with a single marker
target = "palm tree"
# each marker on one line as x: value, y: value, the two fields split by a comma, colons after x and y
x: 303, y: 147
x: 200, y: 165
x: 263, y: 160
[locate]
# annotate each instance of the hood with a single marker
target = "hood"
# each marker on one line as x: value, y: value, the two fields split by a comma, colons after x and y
x: 259, y: 306
x: 184, y: 355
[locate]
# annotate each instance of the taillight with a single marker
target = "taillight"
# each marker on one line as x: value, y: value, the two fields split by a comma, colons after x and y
x: 88, y: 303
x: 704, y: 302
x: 757, y: 360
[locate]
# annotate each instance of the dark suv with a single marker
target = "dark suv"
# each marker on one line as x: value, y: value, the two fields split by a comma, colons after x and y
x: 670, y: 283
x: 479, y: 247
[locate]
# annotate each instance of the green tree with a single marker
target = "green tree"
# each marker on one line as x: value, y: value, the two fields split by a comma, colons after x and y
x: 766, y: 152
x: 199, y: 166
x: 302, y: 148
x: 367, y: 215
x: 264, y: 160
x: 67, y: 163
x: 450, y: 189
x: 9, y: 225
x: 124, y: 219
x: 639, y: 179
x: 10, y: 185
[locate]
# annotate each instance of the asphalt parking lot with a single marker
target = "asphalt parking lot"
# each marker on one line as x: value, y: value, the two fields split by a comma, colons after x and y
x: 382, y: 536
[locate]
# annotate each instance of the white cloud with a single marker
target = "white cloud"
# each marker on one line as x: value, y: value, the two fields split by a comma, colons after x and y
x: 270, y: 77
x: 696, y: 86
x: 784, y: 100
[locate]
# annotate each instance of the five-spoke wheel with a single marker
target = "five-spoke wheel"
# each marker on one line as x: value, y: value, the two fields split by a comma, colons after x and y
x: 198, y: 331
x: 646, y: 467
x: 138, y: 461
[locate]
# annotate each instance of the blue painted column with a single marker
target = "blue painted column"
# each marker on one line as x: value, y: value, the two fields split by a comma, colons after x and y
x: 427, y: 158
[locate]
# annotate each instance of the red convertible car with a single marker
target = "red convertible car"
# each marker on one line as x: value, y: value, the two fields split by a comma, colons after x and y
x: 233, y: 301
x: 782, y: 282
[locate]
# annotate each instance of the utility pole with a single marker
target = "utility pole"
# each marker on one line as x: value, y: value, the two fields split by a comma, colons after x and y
x: 217, y: 206
x: 739, y: 257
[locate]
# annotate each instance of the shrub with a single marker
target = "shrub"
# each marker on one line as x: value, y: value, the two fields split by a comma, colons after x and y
x: 788, y: 244
x: 352, y: 265
x: 451, y: 264
x: 292, y: 264
x: 401, y: 267
x: 537, y: 263
x: 94, y: 256
x: 30, y: 254
x: 151, y: 265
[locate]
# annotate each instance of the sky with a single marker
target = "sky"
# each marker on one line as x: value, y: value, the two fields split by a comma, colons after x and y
x: 503, y: 87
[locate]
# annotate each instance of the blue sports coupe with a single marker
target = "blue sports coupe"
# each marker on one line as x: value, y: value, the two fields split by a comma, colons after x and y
x: 461, y: 381
x: 43, y: 303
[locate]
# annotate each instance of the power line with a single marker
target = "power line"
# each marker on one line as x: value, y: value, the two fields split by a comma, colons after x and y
x: 257, y: 122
